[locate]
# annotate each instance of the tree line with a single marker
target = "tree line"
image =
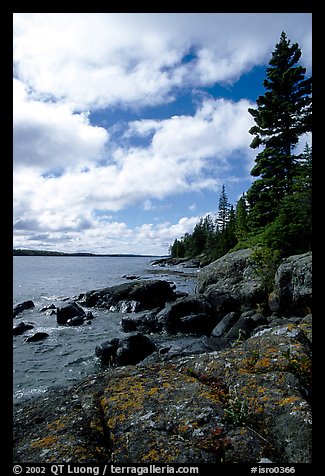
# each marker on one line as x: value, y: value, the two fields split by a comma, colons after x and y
x: 276, y: 211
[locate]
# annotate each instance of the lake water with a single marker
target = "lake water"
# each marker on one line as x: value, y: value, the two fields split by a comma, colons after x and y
x: 68, y: 354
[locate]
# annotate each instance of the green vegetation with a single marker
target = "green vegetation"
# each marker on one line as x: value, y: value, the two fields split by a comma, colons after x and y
x: 275, y: 213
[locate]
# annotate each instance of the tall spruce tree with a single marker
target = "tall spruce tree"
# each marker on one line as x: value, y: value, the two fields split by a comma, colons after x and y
x: 283, y: 114
x: 223, y: 210
x: 241, y: 229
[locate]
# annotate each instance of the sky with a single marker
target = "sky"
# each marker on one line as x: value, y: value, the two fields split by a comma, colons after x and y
x: 127, y: 125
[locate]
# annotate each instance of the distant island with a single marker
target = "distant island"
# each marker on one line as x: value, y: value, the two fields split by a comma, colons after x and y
x: 22, y: 252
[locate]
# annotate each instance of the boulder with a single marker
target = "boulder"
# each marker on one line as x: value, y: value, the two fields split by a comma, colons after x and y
x: 145, y: 322
x: 293, y: 286
x: 242, y: 328
x: 129, y: 350
x: 21, y: 328
x: 225, y: 324
x: 132, y: 297
x: 68, y: 312
x: 37, y: 337
x: 191, y: 314
x: 231, y: 283
x: 134, y: 348
x: 106, y: 351
x: 76, y: 321
x: 23, y: 306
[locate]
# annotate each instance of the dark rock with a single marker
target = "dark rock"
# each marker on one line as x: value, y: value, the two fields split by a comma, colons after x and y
x: 131, y: 323
x: 146, y: 295
x: 76, y: 321
x: 196, y: 324
x: 69, y: 311
x: 21, y: 328
x: 191, y: 314
x: 242, y: 328
x: 259, y: 319
x: 106, y: 351
x: 145, y: 322
x: 129, y: 350
x: 23, y: 306
x: 37, y: 337
x: 225, y: 324
x: 134, y: 348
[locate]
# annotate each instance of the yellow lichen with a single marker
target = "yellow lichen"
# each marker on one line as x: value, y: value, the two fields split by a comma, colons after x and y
x: 287, y: 400
x: 46, y: 442
x: 152, y: 391
x: 57, y: 424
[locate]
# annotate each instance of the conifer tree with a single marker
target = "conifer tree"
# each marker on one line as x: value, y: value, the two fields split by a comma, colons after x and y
x: 283, y: 114
x: 241, y: 219
x: 223, y: 210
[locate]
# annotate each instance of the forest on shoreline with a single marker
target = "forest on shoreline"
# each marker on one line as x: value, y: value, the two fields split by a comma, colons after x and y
x: 275, y: 214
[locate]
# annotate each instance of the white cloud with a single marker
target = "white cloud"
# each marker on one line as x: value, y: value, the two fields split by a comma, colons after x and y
x: 185, y: 153
x: 132, y: 59
x: 49, y: 136
x: 102, y: 236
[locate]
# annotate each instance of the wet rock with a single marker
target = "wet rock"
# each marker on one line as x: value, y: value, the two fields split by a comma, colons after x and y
x: 145, y: 322
x: 21, y: 307
x: 68, y: 312
x: 141, y: 294
x: 76, y: 321
x: 106, y: 351
x: 129, y: 350
x: 21, y: 328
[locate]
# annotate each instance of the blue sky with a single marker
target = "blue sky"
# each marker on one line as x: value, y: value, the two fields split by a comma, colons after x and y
x: 126, y: 125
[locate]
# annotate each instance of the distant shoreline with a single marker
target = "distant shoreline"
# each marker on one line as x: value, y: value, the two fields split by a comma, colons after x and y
x: 20, y: 252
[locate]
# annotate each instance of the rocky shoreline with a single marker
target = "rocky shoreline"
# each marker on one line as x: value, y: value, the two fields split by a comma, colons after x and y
x: 232, y: 383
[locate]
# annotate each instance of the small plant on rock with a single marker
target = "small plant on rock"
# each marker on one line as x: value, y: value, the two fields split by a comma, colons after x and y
x: 237, y: 411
